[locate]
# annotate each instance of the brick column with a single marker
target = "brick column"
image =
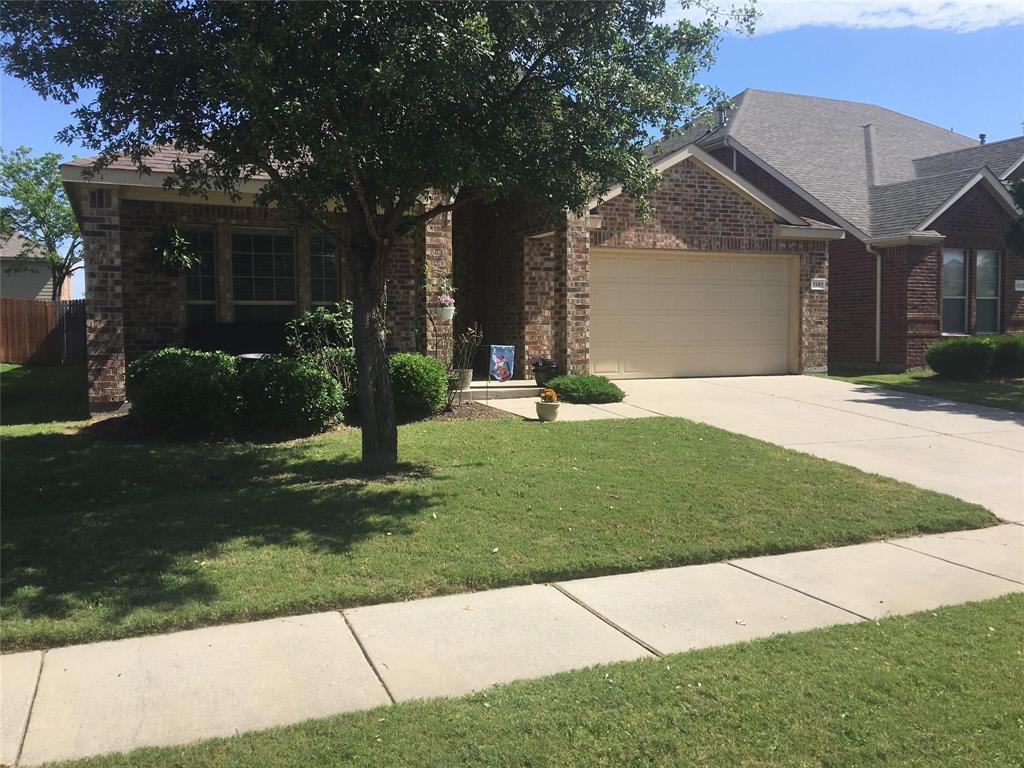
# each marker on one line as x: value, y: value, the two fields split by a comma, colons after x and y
x: 303, y: 290
x: 813, y: 311
x: 225, y: 285
x: 104, y: 328
x: 540, y: 293
x: 437, y: 258
x: 572, y: 326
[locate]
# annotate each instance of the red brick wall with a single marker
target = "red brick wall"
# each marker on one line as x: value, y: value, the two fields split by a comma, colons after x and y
x: 133, y: 307
x: 978, y: 222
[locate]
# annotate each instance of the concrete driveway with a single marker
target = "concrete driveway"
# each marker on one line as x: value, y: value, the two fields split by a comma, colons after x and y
x: 968, y: 451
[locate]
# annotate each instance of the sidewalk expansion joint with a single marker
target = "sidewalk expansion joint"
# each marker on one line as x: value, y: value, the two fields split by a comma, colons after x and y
x: 355, y: 635
x: 31, y: 706
x: 800, y: 591
x: 617, y: 627
x: 953, y: 562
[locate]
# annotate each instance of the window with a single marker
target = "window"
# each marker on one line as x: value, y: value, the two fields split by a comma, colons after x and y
x: 201, y: 281
x: 986, y: 289
x: 263, y: 276
x: 954, y: 290
x: 323, y: 271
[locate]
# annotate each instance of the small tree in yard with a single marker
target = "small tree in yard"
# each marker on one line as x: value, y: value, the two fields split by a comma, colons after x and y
x: 36, y: 207
x: 366, y: 106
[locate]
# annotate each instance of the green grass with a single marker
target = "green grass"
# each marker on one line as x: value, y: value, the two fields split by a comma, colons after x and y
x: 941, y: 688
x: 997, y: 394
x: 30, y: 395
x: 108, y: 538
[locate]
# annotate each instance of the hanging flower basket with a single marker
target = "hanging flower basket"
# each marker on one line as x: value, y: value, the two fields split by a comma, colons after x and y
x: 443, y: 307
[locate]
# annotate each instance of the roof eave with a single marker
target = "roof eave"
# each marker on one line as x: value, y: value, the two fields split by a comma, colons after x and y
x: 807, y: 232
x: 930, y: 237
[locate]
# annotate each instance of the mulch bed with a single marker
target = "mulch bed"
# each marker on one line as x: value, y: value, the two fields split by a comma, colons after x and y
x: 472, y: 411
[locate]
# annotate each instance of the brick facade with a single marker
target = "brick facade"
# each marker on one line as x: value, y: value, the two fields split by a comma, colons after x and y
x: 133, y: 307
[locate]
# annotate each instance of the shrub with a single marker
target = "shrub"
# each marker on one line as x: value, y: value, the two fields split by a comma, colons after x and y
x: 586, y: 389
x: 322, y: 328
x: 287, y: 397
x: 1007, y: 355
x: 420, y: 384
x: 967, y: 357
x: 184, y: 390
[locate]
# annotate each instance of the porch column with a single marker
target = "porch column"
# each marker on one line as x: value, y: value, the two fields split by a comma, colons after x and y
x: 572, y: 255
x: 104, y: 324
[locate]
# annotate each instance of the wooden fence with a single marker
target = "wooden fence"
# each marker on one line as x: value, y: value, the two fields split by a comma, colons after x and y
x: 42, y: 332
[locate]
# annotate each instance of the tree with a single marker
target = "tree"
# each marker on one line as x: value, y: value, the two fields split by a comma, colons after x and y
x: 1015, y: 235
x: 368, y: 105
x: 38, y: 209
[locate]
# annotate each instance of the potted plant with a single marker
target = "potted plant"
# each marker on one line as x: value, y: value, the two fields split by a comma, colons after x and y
x: 544, y: 368
x: 547, y: 407
x: 442, y: 306
x: 465, y: 347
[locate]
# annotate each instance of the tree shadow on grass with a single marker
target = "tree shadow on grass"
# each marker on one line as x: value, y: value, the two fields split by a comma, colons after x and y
x: 36, y: 394
x: 123, y: 527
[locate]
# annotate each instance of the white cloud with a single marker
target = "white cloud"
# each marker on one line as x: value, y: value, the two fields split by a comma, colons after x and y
x: 951, y: 15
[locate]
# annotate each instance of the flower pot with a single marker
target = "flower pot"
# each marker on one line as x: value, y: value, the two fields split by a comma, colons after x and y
x: 543, y: 373
x: 465, y: 377
x: 444, y: 314
x: 547, y: 411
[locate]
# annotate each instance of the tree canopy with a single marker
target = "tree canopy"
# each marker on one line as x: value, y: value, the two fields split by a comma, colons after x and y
x: 36, y: 207
x: 367, y: 105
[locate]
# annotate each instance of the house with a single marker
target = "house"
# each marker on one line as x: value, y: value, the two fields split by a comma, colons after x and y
x: 924, y: 209
x: 35, y: 282
x: 722, y: 280
x: 740, y: 270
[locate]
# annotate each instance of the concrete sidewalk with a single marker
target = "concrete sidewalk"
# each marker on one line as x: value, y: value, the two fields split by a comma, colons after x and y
x: 969, y: 451
x: 173, y: 689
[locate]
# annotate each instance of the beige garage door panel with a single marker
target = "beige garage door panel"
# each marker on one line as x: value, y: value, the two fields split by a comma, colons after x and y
x: 668, y: 314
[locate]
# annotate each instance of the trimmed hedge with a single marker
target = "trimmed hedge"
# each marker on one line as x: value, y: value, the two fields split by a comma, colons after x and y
x: 189, y: 392
x: 184, y: 391
x: 976, y: 357
x: 1007, y: 355
x: 586, y: 388
x: 419, y: 383
x: 284, y: 396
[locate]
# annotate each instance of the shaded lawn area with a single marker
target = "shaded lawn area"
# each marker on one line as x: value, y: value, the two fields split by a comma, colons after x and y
x: 37, y: 394
x: 996, y: 394
x: 935, y: 688
x: 106, y: 538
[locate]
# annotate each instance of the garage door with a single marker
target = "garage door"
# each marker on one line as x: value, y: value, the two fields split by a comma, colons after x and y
x: 670, y: 313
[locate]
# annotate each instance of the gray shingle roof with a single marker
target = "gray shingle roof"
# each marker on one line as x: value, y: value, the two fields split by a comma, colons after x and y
x: 819, y: 144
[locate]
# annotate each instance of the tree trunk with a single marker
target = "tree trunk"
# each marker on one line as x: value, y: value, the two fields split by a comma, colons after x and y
x: 376, y: 403
x: 54, y: 285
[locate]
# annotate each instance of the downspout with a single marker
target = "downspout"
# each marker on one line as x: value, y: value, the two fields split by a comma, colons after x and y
x: 878, y: 303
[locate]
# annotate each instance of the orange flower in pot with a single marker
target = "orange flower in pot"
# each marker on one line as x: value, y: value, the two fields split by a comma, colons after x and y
x: 547, y: 408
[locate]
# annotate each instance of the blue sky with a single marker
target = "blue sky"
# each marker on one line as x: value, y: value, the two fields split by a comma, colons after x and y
x: 956, y: 64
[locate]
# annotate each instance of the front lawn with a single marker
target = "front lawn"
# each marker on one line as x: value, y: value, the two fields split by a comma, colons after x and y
x: 30, y: 394
x: 997, y: 394
x: 941, y: 688
x: 107, y: 538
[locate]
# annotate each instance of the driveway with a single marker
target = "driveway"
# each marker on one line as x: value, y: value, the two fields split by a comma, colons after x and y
x: 968, y: 451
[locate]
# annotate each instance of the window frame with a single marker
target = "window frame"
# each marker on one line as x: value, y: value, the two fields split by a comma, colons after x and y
x: 315, y: 278
x: 965, y: 298
x: 997, y: 298
x: 275, y: 302
x: 201, y: 302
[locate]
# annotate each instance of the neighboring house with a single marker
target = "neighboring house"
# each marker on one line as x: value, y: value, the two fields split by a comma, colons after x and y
x: 36, y: 282
x: 925, y: 211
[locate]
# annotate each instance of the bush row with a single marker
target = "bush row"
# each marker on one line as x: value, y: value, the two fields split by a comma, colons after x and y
x: 978, y: 357
x: 188, y: 392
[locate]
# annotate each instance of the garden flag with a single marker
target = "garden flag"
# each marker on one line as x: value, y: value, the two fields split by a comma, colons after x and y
x: 502, y: 362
